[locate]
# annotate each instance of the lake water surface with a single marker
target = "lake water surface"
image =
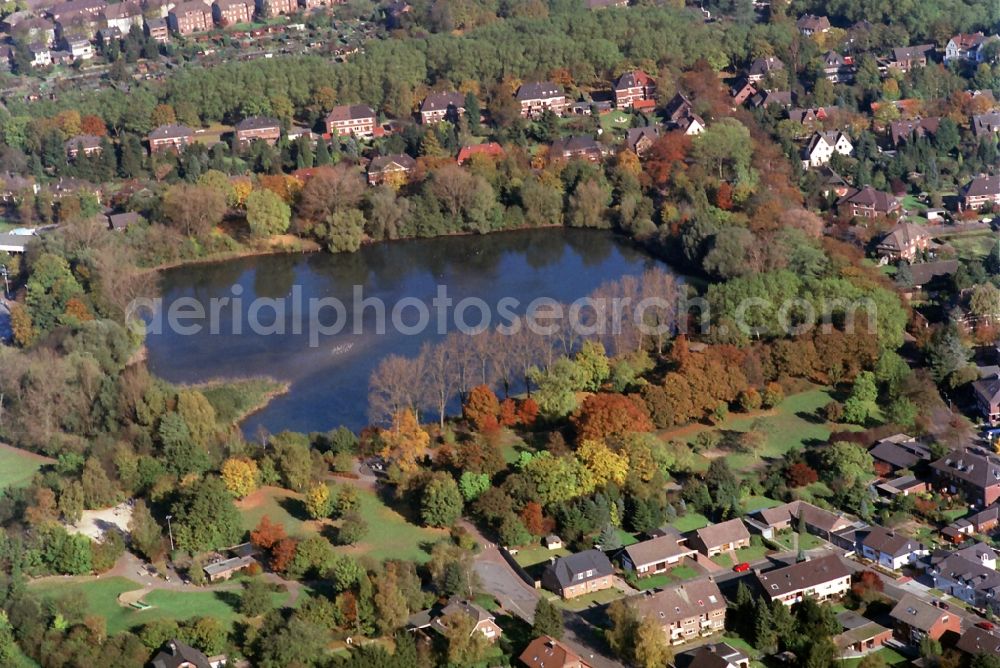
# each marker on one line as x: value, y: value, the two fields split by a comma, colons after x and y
x: 329, y: 382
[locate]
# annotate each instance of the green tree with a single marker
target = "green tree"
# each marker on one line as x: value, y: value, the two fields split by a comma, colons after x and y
x: 205, y: 517
x: 548, y: 620
x: 147, y: 536
x: 267, y: 213
x: 256, y: 598
x: 861, y: 405
x: 441, y: 502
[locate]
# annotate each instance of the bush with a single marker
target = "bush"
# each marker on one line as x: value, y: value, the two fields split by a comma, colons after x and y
x: 833, y: 411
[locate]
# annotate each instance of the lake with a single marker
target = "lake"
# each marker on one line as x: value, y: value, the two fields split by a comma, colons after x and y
x: 329, y: 381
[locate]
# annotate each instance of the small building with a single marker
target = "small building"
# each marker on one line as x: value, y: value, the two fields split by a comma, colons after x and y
x: 119, y: 222
x: 79, y: 48
x: 552, y: 542
x: 820, y: 579
x: 860, y: 635
x: 714, y: 655
x: 170, y: 138
x: 490, y: 149
x: 538, y: 96
x: 867, y: 203
x: 258, y: 128
x: 442, y: 106
x: 547, y: 652
x: 578, y: 574
x: 639, y: 140
x: 582, y: 147
x: 903, y: 486
x: 718, y: 538
x: 889, y: 548
x: 225, y: 568
x: 635, y: 89
x: 351, y: 119
x: 656, y: 555
x: 915, y: 619
x: 686, y: 611
x: 760, y: 68
x: 981, y: 192
x: 823, y: 145
x: 86, y: 144
x: 176, y: 654
x: 809, y: 24
x: 982, y: 522
x: 437, y: 619
x: 390, y: 169
x: 907, y: 58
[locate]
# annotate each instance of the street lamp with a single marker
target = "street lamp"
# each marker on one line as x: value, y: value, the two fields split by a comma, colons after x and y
x: 170, y: 531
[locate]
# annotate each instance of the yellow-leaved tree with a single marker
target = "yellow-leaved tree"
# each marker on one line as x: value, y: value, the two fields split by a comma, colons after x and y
x: 240, y: 475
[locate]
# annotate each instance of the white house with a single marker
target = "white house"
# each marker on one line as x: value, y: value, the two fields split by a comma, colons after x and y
x: 889, y: 549
x: 823, y: 145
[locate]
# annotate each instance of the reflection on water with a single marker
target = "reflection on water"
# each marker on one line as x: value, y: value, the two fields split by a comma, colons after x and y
x: 329, y: 383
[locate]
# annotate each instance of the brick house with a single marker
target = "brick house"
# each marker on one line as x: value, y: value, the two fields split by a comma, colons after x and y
x: 483, y: 621
x: 722, y: 537
x: 390, y: 168
x: 972, y: 470
x: 981, y: 192
x: 808, y: 24
x: 686, y: 611
x: 170, y: 138
x: 351, y: 119
x: 639, y: 140
x: 75, y: 8
x: 537, y: 96
x: 914, y: 619
x: 903, y: 242
x: 985, y: 521
x: 742, y: 90
x: 820, y: 579
x: 906, y: 58
x: 188, y: 18
x: 88, y: 144
x: 888, y: 548
x: 158, y: 30
x: 258, y: 128
x: 578, y: 574
x: 442, y: 106
x: 867, y: 203
x: 582, y: 147
x: 656, y: 555
x: 547, y: 652
x: 272, y: 8
x: 762, y: 67
x: 635, y: 89
x: 231, y: 12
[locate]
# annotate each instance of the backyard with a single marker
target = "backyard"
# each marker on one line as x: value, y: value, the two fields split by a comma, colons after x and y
x: 673, y: 576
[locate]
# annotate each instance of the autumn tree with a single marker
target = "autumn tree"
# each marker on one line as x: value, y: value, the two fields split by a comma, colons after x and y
x: 240, y: 475
x: 267, y: 534
x: 604, y: 415
x: 193, y: 209
x: 482, y: 408
x: 146, y: 533
x: 604, y: 464
x: 319, y: 501
x: 406, y: 442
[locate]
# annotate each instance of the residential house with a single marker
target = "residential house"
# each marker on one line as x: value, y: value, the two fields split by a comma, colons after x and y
x: 442, y: 106
x: 817, y: 521
x: 982, y: 522
x: 351, y: 119
x: 980, y: 553
x: 552, y: 542
x: 986, y: 124
x: 860, y: 635
x: 437, y: 619
x: 901, y: 132
x: 966, y: 579
x: 123, y: 15
x: 714, y: 655
x: 686, y: 611
x: 742, y: 90
x: 809, y: 115
x: 900, y: 451
x: 37, y: 31
x: 635, y: 89
x: 888, y: 548
x: 656, y: 555
x: 677, y: 108
x: 771, y: 98
x: 80, y: 48
x: 867, y: 203
x: 963, y: 46
x: 906, y: 58
x: 60, y: 57
x: 980, y: 192
x: 537, y: 96
x: 691, y: 125
x: 838, y: 68
x: 915, y: 619
x: 820, y: 579
x: 582, y: 147
x: 87, y: 144
x: 158, y: 30
x: 73, y: 8
x: 490, y: 149
x: 718, y: 538
x: 976, y: 641
x: 974, y: 471
x: 903, y: 242
x: 41, y: 56
x: 394, y: 169
x: 830, y: 181
x: 823, y: 145
x: 119, y: 222
x: 762, y: 67
x: 170, y: 138
x: 231, y: 12
x: 547, y: 652
x: 272, y: 8
x: 809, y: 24
x: 258, y: 128
x: 187, y: 18
x: 578, y: 574
x: 902, y: 486
x: 639, y: 140
x: 176, y: 654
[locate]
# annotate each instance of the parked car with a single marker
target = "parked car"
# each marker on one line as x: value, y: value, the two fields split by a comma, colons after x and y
x: 741, y: 568
x: 986, y: 626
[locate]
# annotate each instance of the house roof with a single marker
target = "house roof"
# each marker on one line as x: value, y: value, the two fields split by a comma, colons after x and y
x: 350, y: 112
x: 634, y: 135
x: 902, y: 455
x: 634, y: 79
x: 869, y: 197
x: 888, y: 541
x: 171, y: 132
x: 805, y: 574
x: 656, y: 550
x: 724, y: 532
x: 572, y: 568
x: 967, y: 40
x: 923, y: 273
x: 812, y: 22
x: 176, y: 654
x: 764, y: 66
x: 977, y: 552
x: 900, y: 131
x: 672, y: 604
x: 122, y: 10
x: 86, y: 141
x: 193, y: 7
x: 810, y: 114
x: 968, y: 572
x: 442, y: 100
x: 769, y: 97
x: 462, y: 607
x: 910, y: 52
x: 982, y: 186
x: 257, y: 123
x: 226, y: 565
x: 547, y: 652
x: 986, y: 122
x: 491, y: 149
x: 979, y: 641
x: 975, y: 467
x: 383, y: 162
x: 916, y: 613
x: 539, y: 90
x: 716, y: 655
x: 576, y: 144
x: 119, y: 221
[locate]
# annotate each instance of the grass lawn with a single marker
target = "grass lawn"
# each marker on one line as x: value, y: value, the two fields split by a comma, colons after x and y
x: 101, y: 598
x: 955, y: 513
x: 529, y: 556
x: 18, y: 466
x: 690, y: 521
x: 626, y: 538
x: 891, y: 657
x: 747, y: 554
x: 753, y: 503
x: 616, y: 121
x: 807, y: 541
x: 390, y: 535
x: 602, y: 597
x: 278, y: 504
x: 816, y: 490
x: 674, y: 575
